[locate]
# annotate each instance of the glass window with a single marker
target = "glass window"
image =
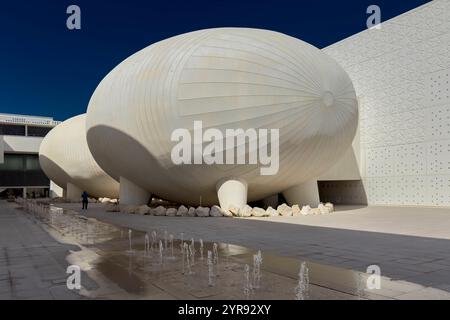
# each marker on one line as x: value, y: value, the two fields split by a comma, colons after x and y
x: 12, y: 130
x: 38, y: 131
x: 12, y: 162
x: 22, y: 170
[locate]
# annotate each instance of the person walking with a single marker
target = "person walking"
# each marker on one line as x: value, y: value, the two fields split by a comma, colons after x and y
x: 85, y: 200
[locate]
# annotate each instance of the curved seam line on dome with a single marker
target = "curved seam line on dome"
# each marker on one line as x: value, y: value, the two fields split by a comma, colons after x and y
x: 310, y: 73
x: 256, y: 54
x: 244, y: 71
x: 303, y: 81
x: 244, y: 83
x: 247, y: 107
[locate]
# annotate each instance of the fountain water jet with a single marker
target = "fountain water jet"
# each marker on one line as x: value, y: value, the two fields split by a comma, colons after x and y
x: 302, y: 289
x: 247, y: 283
x: 147, y: 244
x: 160, y: 252
x: 154, y: 244
x: 165, y: 240
x: 201, y: 249
x: 257, y: 261
x: 211, y: 278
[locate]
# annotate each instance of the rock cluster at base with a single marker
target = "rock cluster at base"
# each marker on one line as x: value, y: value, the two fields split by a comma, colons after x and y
x: 246, y: 211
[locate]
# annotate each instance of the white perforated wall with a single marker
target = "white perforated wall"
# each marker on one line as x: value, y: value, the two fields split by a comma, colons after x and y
x: 401, y: 74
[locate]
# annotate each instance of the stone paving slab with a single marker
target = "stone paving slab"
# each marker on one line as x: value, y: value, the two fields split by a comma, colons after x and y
x: 30, y: 259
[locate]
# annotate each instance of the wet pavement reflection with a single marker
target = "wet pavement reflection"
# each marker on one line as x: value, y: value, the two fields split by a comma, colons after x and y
x: 131, y: 264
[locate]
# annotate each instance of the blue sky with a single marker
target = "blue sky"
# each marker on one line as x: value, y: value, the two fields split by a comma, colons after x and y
x: 49, y: 70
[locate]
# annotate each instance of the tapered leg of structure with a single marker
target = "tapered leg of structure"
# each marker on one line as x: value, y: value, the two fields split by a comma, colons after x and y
x: 303, y: 194
x: 73, y: 192
x: 131, y: 194
x: 232, y: 192
x: 56, y: 191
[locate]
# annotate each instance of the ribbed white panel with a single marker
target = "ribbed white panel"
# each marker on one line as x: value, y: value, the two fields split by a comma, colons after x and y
x: 65, y: 158
x: 228, y: 78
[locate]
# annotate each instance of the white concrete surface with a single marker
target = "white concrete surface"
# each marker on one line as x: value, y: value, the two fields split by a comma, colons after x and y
x: 401, y: 75
x: 131, y: 194
x: 304, y: 194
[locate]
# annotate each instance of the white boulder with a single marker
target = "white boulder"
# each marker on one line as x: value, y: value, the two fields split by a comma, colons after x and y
x: 234, y: 211
x: 323, y: 209
x: 104, y: 200
x: 245, y: 211
x: 202, y: 212
x: 143, y: 210
x: 330, y: 206
x: 171, y: 212
x: 296, y: 210
x: 271, y: 212
x: 306, y: 210
x: 182, y: 211
x: 216, y: 211
x: 284, y: 210
x: 191, y: 212
x: 158, y: 211
x: 258, y: 212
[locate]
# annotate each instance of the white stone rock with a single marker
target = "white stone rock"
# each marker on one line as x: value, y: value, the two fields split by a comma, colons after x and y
x: 323, y: 209
x: 158, y: 211
x: 284, y: 210
x: 315, y: 212
x: 272, y: 212
x: 104, y: 200
x: 258, y: 212
x: 191, y: 212
x: 245, y: 211
x: 306, y: 210
x: 330, y: 206
x: 296, y: 210
x: 234, y: 211
x: 202, y: 212
x: 182, y: 211
x: 143, y: 210
x: 171, y: 212
x: 226, y: 213
x: 216, y: 211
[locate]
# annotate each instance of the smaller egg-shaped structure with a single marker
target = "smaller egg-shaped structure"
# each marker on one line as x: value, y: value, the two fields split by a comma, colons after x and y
x: 65, y: 158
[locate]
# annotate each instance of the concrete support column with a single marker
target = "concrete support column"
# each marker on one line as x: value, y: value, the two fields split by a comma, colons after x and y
x: 73, y: 192
x: 55, y: 191
x: 24, y: 193
x: 131, y: 194
x: 232, y: 192
x: 303, y: 194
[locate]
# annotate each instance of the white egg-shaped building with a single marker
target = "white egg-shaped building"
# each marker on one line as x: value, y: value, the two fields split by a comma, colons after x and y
x: 65, y: 158
x: 223, y: 79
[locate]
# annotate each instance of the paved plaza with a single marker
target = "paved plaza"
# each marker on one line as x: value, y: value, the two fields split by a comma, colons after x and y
x: 32, y: 263
x: 411, y: 244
